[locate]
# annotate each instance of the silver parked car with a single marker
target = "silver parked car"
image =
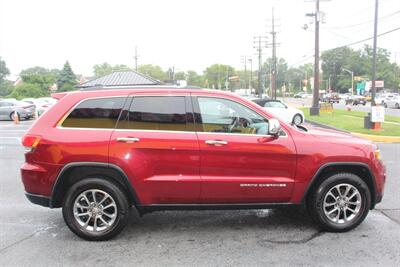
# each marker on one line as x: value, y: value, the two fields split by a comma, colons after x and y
x: 9, y: 106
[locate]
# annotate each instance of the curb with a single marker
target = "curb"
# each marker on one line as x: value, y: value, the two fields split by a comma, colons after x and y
x: 379, y: 138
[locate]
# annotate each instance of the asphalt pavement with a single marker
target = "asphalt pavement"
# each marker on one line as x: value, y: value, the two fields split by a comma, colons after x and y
x: 31, y: 235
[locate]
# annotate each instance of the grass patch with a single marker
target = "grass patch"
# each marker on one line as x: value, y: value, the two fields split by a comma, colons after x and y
x: 353, y: 121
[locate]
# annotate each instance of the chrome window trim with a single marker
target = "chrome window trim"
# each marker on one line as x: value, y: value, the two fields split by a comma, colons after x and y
x: 167, y: 131
x: 60, y: 122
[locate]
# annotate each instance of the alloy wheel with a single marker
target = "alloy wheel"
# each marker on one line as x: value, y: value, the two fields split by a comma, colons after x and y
x: 95, y: 210
x: 342, y: 203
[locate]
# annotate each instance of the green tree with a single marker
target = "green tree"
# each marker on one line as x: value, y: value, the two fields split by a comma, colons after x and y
x: 66, y: 79
x: 217, y: 75
x: 5, y: 86
x: 281, y: 69
x: 153, y: 71
x: 194, y: 79
x: 39, y: 76
x: 359, y: 62
x: 27, y: 90
x: 180, y: 75
x: 4, y: 71
x: 105, y: 69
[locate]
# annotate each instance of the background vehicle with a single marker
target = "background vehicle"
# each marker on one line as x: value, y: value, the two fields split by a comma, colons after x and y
x: 393, y: 102
x: 331, y: 98
x: 382, y: 98
x: 96, y: 154
x: 10, y: 106
x: 41, y: 104
x: 356, y: 100
x: 281, y: 110
x: 301, y: 95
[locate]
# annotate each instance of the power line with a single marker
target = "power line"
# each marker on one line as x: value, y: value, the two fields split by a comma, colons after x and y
x: 357, y: 42
x: 365, y: 22
x: 350, y: 44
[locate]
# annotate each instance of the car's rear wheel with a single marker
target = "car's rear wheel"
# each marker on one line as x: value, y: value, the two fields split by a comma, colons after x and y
x: 385, y: 105
x: 14, y: 113
x: 96, y: 209
x: 297, y: 119
x: 397, y: 105
x: 340, y: 203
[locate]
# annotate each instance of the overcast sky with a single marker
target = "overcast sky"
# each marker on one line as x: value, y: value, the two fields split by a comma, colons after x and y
x: 187, y: 34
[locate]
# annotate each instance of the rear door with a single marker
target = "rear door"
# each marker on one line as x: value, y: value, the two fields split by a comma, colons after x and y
x: 156, y: 145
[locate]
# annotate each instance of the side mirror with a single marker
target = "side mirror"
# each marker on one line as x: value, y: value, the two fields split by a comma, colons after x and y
x: 274, y: 127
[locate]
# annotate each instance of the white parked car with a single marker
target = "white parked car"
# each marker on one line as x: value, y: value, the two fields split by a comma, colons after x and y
x: 383, y: 98
x: 281, y: 110
x: 392, y: 102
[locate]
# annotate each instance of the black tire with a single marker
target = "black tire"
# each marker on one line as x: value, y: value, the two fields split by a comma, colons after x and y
x: 296, y: 117
x: 316, y: 199
x: 122, y: 208
x: 397, y: 105
x: 12, y: 115
x: 385, y: 105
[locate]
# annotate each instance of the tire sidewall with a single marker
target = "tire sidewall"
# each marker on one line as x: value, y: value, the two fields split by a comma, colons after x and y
x: 322, y: 190
x: 104, y: 185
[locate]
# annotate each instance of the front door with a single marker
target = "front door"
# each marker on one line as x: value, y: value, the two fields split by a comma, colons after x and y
x: 157, y: 147
x: 240, y: 162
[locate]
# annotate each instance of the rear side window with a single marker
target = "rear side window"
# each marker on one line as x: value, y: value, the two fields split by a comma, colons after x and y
x: 166, y: 113
x: 95, y: 113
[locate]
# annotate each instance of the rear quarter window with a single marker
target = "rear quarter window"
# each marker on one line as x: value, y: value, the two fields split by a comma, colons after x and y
x: 95, y: 113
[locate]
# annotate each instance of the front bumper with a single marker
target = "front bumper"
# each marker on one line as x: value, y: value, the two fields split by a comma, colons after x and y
x: 38, y: 199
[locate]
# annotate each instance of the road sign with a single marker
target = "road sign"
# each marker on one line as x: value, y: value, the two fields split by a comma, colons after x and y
x: 379, y: 84
x: 377, y: 114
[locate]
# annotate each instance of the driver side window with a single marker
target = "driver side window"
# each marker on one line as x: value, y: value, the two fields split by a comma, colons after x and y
x: 226, y: 116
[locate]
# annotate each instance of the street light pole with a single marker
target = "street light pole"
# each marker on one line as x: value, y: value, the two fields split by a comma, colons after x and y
x: 352, y: 79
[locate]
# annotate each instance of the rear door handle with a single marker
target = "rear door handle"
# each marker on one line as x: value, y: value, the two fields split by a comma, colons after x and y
x: 128, y: 139
x: 216, y: 142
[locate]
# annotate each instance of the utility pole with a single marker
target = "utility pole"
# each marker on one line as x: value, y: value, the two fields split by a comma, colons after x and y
x: 261, y: 43
x: 273, y: 70
x: 244, y: 61
x: 314, y: 111
x: 251, y: 75
x: 136, y: 59
x: 373, y: 89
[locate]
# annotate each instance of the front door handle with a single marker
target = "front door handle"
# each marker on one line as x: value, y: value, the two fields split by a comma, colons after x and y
x: 216, y: 142
x: 128, y: 139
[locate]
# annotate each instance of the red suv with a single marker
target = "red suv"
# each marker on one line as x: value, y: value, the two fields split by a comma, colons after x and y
x: 98, y: 154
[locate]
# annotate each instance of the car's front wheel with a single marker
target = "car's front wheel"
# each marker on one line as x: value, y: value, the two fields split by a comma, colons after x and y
x: 96, y: 209
x: 340, y: 203
x: 297, y: 119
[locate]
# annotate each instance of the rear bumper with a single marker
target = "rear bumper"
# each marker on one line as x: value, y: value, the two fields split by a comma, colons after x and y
x: 38, y: 199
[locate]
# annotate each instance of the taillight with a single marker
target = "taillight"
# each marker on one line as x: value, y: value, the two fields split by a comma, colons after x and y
x: 30, y: 142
